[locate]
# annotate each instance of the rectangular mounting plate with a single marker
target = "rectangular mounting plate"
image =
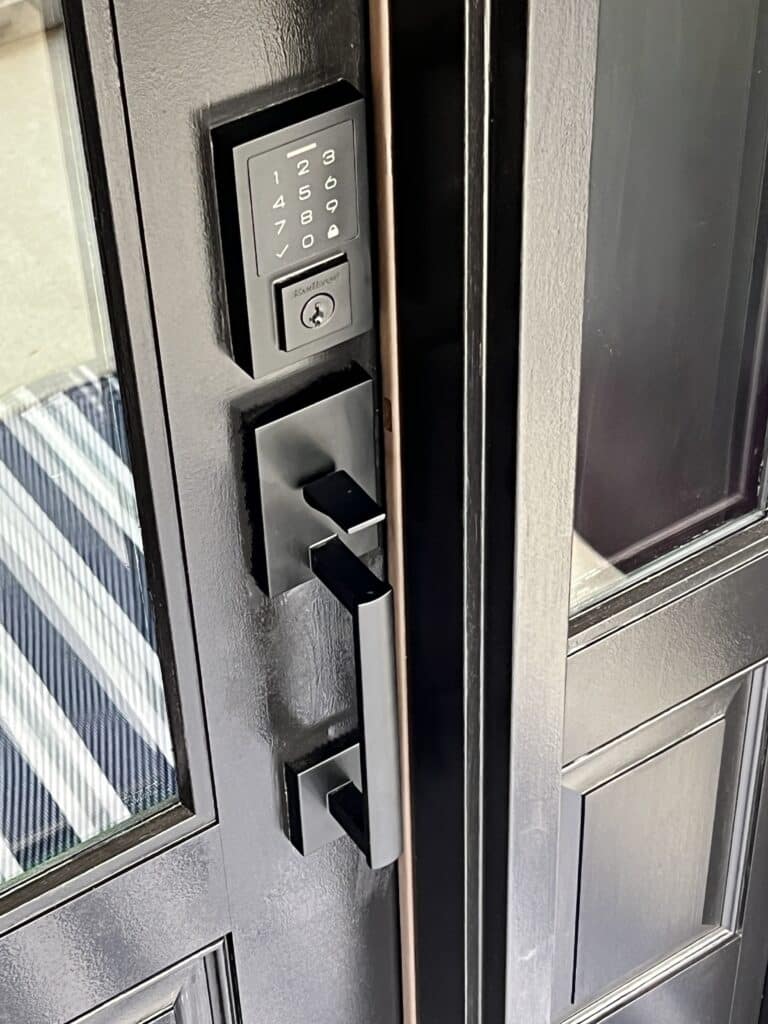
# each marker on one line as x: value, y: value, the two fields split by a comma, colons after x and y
x: 292, y: 191
x: 308, y: 783
x: 329, y: 427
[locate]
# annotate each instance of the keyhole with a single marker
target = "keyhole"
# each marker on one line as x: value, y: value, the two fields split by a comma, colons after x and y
x: 318, y: 310
x: 317, y: 315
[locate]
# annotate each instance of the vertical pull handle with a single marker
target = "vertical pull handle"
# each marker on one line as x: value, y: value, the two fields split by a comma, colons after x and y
x: 351, y: 784
x: 370, y: 815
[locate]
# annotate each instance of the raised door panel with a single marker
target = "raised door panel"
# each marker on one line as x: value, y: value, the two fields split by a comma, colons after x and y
x: 654, y: 848
x: 701, y: 994
x: 646, y: 842
x: 196, y: 991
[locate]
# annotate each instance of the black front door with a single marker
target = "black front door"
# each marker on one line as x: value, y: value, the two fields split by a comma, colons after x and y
x: 154, y: 684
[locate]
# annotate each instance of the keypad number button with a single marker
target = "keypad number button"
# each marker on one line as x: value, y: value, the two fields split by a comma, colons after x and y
x: 304, y: 197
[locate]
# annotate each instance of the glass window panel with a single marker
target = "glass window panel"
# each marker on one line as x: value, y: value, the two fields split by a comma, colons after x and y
x: 672, y: 407
x: 85, y: 745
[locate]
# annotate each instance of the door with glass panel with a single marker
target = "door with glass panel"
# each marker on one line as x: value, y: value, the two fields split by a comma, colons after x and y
x: 643, y: 355
x: 150, y: 693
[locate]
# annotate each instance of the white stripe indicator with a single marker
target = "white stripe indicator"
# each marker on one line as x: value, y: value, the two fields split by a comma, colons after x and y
x: 68, y: 450
x: 303, y: 149
x: 76, y: 424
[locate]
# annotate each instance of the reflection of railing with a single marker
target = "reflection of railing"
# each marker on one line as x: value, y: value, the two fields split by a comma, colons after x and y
x: 84, y: 739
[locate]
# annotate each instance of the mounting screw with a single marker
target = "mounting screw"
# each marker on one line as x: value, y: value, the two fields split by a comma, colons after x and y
x: 318, y: 310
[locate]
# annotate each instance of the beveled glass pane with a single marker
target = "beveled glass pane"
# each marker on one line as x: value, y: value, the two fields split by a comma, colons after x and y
x: 85, y: 745
x: 672, y: 406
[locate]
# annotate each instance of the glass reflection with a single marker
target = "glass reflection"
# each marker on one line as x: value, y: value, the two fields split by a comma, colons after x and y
x: 84, y: 738
x: 673, y: 406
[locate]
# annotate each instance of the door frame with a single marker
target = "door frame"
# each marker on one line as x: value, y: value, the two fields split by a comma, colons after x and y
x: 458, y: 369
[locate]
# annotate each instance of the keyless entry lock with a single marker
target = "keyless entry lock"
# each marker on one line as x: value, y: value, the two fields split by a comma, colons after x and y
x: 292, y: 190
x: 315, y: 511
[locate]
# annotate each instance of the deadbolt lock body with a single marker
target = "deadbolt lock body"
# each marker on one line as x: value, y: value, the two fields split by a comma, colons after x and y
x: 292, y: 191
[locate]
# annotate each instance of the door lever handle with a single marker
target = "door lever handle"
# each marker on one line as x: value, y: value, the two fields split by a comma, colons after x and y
x: 344, y: 501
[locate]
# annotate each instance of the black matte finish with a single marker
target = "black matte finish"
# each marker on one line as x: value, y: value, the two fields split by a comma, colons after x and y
x: 309, y: 783
x: 509, y: 24
x: 340, y: 498
x: 279, y: 674
x: 300, y: 442
x: 248, y: 152
x: 372, y: 818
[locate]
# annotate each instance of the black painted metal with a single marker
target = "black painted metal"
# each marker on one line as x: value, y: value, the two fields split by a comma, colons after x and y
x: 280, y: 673
x: 371, y: 818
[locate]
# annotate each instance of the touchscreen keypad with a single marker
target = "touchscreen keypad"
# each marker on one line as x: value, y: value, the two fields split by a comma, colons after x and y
x: 304, y: 197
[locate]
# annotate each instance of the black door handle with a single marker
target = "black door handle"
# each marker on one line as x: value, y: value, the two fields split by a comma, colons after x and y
x: 371, y: 817
x: 315, y: 519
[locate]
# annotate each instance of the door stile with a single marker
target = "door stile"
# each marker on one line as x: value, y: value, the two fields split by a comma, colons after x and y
x: 562, y: 48
x: 126, y: 275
